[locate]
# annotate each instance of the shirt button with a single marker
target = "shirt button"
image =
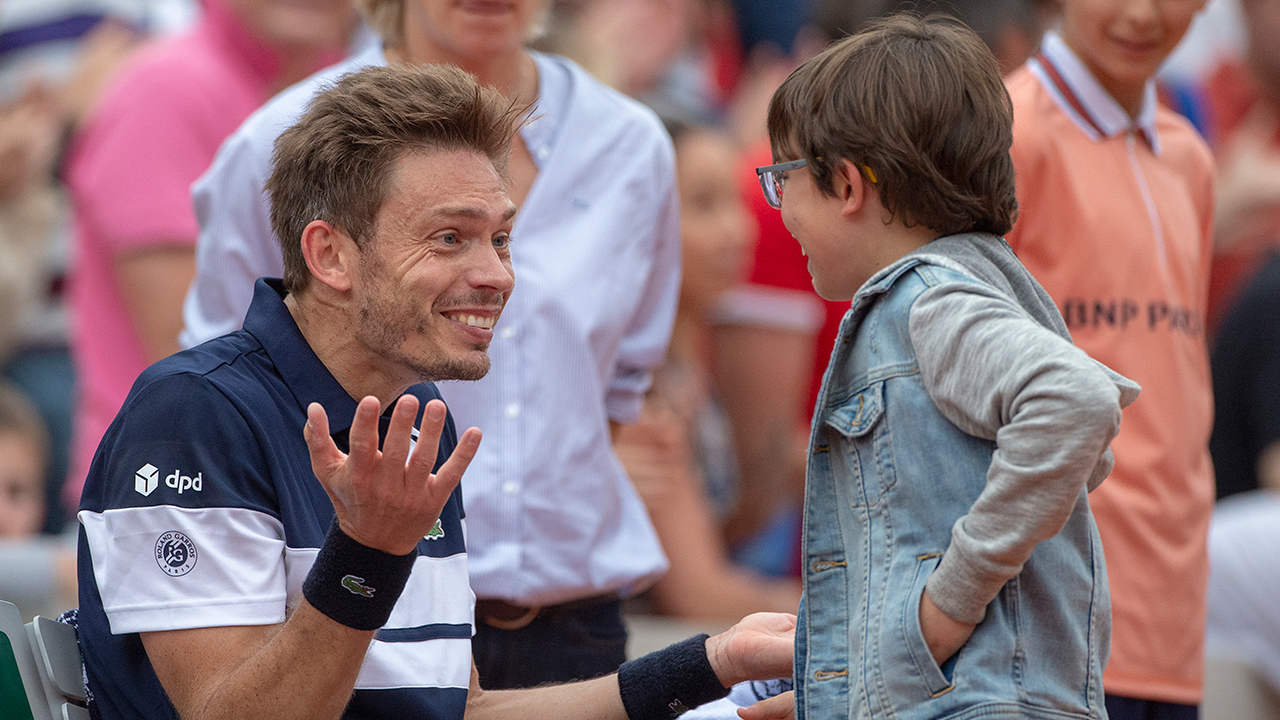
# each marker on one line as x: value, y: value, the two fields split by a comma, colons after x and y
x: 507, y: 332
x: 513, y: 411
x: 510, y: 487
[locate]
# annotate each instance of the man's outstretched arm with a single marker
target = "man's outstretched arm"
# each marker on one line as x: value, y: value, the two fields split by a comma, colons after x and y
x: 758, y: 647
x: 306, y: 667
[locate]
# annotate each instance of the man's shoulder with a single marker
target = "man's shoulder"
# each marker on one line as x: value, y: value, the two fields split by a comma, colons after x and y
x: 212, y: 378
x: 1025, y: 89
x: 204, y: 361
x: 210, y: 412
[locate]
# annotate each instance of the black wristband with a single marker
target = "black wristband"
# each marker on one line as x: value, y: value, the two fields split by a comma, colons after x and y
x: 354, y: 584
x: 670, y: 682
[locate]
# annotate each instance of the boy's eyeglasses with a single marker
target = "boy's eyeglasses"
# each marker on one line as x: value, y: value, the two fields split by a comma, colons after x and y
x: 772, y: 180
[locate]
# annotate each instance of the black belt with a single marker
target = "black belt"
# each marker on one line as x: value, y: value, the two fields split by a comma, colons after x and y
x: 503, y: 615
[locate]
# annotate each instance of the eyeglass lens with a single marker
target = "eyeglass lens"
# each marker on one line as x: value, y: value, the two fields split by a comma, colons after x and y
x: 771, y: 183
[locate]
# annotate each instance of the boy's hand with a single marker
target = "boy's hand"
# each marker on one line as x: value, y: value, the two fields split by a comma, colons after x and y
x: 944, y: 635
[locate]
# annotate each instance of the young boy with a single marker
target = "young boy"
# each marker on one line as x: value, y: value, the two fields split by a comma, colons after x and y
x: 951, y: 565
x: 1116, y: 198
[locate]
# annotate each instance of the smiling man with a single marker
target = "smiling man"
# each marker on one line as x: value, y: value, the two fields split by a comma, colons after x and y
x: 318, y: 569
x: 560, y: 535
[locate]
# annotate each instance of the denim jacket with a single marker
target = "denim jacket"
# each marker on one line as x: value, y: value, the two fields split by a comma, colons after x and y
x: 905, y: 475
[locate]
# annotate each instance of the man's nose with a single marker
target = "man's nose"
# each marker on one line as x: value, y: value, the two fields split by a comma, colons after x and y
x: 493, y: 271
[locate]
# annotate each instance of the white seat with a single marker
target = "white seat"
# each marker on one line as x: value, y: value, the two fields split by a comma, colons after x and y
x: 61, y: 670
x: 21, y: 692
x: 43, y: 659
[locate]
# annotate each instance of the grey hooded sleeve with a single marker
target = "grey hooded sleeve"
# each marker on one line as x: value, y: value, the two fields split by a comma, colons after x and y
x: 1051, y: 410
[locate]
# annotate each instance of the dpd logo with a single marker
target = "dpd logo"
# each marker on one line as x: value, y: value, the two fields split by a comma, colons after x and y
x: 145, y: 479
x: 175, y: 553
x: 180, y: 482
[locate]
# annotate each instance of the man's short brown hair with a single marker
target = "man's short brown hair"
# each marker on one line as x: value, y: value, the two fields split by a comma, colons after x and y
x: 917, y: 104
x: 336, y: 162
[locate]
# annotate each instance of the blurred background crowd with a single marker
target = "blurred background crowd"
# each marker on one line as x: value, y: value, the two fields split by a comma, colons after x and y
x: 718, y: 456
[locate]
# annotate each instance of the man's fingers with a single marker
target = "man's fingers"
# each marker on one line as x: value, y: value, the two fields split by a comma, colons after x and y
x: 424, y: 454
x: 778, y: 707
x: 324, y: 453
x: 778, y: 622
x: 451, y: 472
x: 395, y: 446
x: 363, y: 437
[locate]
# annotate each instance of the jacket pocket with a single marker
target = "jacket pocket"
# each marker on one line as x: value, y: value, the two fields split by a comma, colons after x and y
x: 859, y: 446
x: 857, y: 415
x: 936, y: 682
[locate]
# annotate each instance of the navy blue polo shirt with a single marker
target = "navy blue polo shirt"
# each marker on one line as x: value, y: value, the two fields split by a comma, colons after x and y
x: 201, y: 510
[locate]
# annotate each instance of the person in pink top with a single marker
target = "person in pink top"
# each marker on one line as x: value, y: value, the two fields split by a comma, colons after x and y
x: 129, y: 172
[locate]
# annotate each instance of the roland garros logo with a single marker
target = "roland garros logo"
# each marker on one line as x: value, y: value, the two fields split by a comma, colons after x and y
x: 175, y: 553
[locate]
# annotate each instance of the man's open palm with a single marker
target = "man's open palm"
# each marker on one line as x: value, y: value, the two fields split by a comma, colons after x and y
x: 387, y: 499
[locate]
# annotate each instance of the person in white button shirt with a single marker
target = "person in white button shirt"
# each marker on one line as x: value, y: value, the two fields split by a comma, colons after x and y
x: 556, y: 532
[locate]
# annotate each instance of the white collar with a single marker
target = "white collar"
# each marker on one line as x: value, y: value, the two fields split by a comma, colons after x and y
x: 1079, y: 94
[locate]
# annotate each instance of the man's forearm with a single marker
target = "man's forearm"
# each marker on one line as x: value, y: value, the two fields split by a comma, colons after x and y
x: 591, y: 700
x: 687, y: 673
x: 304, y: 668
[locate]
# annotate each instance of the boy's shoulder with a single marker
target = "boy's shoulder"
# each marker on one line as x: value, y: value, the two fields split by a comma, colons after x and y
x: 976, y: 262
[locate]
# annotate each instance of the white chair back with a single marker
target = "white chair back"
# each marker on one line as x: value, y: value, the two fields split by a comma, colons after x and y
x: 41, y: 673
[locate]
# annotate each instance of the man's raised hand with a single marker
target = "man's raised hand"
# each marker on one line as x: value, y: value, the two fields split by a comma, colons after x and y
x: 387, y: 499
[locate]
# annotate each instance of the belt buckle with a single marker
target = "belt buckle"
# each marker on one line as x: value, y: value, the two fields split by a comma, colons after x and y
x: 515, y: 624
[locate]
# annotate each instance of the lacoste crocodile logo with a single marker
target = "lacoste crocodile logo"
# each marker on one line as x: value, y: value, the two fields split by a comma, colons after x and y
x: 353, y: 584
x: 436, y: 532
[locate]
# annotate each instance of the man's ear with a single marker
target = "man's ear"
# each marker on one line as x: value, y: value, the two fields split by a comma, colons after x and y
x: 850, y: 187
x: 330, y: 254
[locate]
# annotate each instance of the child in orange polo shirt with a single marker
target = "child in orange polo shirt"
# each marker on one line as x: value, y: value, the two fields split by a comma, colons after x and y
x: 1116, y: 203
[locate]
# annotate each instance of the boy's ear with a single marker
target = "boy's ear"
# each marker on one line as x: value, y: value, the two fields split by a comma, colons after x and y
x: 850, y: 187
x: 330, y: 254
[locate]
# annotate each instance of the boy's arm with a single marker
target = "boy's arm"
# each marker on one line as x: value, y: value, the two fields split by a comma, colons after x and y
x: 996, y: 373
